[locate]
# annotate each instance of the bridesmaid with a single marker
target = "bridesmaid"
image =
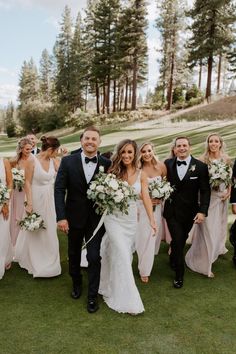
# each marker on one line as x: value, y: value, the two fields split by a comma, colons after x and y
x: 147, y: 245
x: 208, y: 238
x: 38, y: 251
x: 6, y: 252
x: 23, y: 154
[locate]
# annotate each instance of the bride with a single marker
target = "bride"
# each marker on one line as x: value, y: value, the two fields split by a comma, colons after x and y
x: 117, y: 283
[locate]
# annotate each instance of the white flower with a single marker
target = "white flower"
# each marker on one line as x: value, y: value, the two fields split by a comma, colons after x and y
x: 101, y: 168
x: 113, y: 184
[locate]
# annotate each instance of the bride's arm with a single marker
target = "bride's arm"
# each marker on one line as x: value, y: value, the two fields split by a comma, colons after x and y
x: 147, y: 200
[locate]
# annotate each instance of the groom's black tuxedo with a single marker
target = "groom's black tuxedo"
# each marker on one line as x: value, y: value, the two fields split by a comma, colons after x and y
x: 191, y: 196
x: 73, y: 205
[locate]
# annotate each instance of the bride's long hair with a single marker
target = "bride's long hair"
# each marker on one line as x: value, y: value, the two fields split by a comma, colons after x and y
x: 117, y: 167
x: 206, y: 155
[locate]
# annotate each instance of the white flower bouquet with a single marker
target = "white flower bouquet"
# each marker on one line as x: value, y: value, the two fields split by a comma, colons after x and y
x: 4, y: 193
x: 110, y: 194
x: 18, y: 178
x: 160, y: 189
x: 32, y: 222
x: 219, y: 173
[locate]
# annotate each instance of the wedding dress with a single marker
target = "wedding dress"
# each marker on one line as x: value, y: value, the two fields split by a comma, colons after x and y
x: 146, y: 244
x: 6, y: 251
x: 209, y: 237
x: 117, y: 284
x: 38, y: 251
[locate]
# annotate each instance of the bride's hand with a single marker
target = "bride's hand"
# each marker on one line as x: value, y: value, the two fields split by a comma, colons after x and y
x: 28, y: 208
x: 154, y: 227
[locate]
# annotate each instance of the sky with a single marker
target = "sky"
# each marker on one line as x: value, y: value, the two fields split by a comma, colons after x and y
x: 29, y: 26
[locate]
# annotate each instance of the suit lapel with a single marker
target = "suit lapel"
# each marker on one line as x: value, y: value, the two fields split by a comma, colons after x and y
x: 173, y: 167
x: 189, y: 170
x: 80, y: 169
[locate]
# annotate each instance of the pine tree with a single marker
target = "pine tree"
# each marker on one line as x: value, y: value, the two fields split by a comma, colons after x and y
x: 62, y: 52
x: 212, y: 32
x: 170, y: 23
x: 46, y: 76
x: 29, y: 82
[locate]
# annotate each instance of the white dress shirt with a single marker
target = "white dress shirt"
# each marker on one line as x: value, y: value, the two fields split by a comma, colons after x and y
x: 89, y: 168
x: 182, y: 169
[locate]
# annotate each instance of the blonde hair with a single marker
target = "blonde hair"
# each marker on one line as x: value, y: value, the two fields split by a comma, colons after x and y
x: 19, y: 148
x: 206, y: 155
x: 117, y: 167
x: 154, y: 160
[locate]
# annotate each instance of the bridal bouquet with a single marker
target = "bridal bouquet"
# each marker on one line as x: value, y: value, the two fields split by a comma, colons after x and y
x: 110, y: 194
x: 160, y: 189
x: 18, y: 178
x: 32, y: 222
x: 4, y: 193
x: 219, y: 173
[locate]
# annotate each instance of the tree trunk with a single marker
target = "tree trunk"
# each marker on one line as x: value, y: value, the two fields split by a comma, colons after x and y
x: 170, y: 88
x: 121, y: 98
x: 200, y: 75
x: 134, y: 84
x: 209, y: 75
x: 104, y: 98
x: 114, y: 96
x: 108, y: 95
x: 126, y: 93
x: 97, y: 98
x: 219, y: 73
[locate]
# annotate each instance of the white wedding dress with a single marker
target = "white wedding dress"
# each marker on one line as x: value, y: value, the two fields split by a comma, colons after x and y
x: 117, y: 283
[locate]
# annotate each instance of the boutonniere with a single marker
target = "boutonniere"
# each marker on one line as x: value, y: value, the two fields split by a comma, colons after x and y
x: 192, y: 168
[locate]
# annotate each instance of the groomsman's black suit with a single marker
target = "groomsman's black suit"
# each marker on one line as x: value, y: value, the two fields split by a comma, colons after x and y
x: 73, y: 205
x: 232, y: 231
x: 191, y: 196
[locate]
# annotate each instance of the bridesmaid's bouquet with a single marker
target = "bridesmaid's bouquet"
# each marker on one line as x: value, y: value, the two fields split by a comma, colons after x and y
x: 4, y: 194
x: 160, y: 189
x: 32, y: 222
x: 110, y: 194
x: 18, y: 178
x: 219, y: 173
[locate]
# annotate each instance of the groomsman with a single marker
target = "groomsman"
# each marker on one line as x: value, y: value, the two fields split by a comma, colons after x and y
x: 76, y: 213
x: 35, y: 150
x: 188, y: 204
x: 232, y: 231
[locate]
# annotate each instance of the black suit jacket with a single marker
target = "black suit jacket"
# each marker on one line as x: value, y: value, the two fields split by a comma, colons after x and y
x: 71, y: 192
x: 233, y: 189
x: 76, y: 151
x: 191, y: 194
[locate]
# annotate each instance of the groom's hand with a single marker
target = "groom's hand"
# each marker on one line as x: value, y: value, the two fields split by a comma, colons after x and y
x: 199, y: 218
x: 63, y: 226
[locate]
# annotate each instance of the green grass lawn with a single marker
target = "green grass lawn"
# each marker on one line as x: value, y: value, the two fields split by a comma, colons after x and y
x: 39, y: 317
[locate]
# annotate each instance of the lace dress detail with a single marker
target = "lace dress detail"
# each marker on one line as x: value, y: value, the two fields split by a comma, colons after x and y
x: 117, y: 284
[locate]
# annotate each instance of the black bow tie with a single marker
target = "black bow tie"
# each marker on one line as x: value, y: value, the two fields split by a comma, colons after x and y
x: 93, y: 159
x: 179, y: 163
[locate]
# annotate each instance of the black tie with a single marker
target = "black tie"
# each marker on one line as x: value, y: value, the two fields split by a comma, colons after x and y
x: 179, y: 163
x: 93, y: 159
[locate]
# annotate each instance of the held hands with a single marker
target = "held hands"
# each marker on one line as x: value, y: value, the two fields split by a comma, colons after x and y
x: 63, y: 226
x: 156, y: 201
x: 199, y: 218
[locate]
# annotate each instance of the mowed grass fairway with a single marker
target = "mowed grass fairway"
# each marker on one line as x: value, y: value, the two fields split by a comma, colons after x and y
x: 38, y: 316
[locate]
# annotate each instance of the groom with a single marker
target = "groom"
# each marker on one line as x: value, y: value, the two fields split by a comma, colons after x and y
x: 76, y: 213
x: 188, y: 204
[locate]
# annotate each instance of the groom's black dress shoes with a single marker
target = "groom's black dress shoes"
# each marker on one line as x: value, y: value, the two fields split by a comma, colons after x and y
x: 178, y: 283
x: 76, y: 291
x: 92, y: 305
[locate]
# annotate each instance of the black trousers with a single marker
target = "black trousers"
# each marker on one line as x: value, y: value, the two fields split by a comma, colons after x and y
x: 75, y: 241
x: 179, y: 231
